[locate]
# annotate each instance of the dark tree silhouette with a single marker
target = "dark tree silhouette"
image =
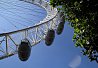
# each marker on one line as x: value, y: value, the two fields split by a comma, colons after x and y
x: 83, y: 17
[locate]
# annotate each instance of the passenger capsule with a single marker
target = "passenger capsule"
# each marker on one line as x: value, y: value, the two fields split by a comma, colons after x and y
x: 60, y: 28
x: 49, y: 37
x: 24, y: 50
x: 62, y: 19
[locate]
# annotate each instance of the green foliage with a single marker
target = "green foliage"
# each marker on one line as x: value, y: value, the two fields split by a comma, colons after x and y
x: 82, y: 16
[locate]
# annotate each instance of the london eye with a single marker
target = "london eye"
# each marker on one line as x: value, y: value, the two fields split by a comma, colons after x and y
x: 24, y: 25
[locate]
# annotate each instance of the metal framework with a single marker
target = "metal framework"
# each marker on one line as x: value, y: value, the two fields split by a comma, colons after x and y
x: 10, y: 41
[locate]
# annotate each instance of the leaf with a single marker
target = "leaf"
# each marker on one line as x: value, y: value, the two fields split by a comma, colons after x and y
x: 76, y: 20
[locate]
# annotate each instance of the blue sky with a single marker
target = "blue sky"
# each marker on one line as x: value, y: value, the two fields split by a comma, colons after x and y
x: 61, y: 54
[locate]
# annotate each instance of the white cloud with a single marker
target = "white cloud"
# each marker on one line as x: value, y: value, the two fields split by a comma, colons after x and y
x: 75, y: 62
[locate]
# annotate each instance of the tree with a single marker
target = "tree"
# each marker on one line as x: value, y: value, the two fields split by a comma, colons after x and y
x: 82, y: 16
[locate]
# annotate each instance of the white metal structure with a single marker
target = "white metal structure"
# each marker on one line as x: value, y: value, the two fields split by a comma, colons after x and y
x: 36, y: 33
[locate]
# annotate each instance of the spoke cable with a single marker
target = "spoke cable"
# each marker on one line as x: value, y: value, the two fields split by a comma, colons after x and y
x: 22, y: 7
x: 17, y: 15
x: 8, y: 21
x: 19, y: 10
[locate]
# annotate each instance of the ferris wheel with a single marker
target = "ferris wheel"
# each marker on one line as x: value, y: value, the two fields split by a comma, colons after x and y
x: 26, y: 34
